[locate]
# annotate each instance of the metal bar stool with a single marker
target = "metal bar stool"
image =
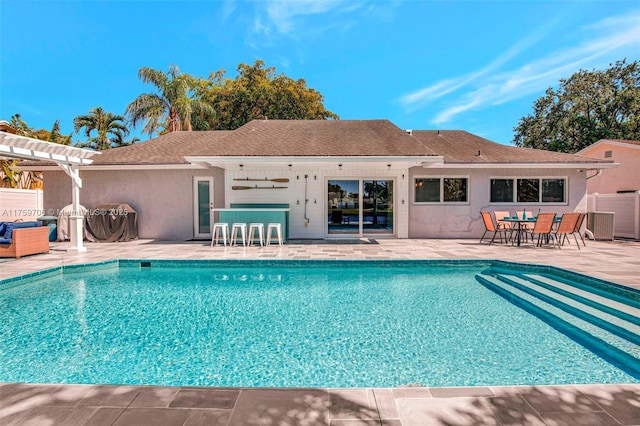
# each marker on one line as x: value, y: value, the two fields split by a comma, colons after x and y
x: 220, y: 230
x: 240, y: 228
x: 253, y: 228
x: 274, y: 227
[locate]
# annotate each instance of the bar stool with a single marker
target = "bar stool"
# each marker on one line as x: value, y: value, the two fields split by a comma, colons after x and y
x: 253, y: 228
x: 220, y: 230
x: 274, y: 227
x: 242, y: 227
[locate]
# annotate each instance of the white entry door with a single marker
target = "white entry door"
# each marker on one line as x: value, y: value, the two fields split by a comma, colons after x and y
x: 202, y: 205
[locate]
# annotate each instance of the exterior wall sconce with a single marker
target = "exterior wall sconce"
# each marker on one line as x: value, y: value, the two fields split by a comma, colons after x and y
x: 290, y: 165
x: 339, y: 166
x: 241, y: 166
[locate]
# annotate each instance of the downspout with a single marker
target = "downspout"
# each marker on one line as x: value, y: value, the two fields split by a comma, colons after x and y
x: 598, y: 173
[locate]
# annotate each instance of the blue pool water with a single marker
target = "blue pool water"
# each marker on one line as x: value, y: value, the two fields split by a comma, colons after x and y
x: 328, y: 325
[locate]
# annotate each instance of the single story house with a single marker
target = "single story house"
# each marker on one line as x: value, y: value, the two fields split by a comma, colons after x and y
x: 615, y: 193
x: 624, y: 178
x: 342, y: 178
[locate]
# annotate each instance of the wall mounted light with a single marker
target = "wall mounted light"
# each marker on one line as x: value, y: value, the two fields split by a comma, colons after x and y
x: 290, y: 165
x: 340, y: 166
x: 241, y: 165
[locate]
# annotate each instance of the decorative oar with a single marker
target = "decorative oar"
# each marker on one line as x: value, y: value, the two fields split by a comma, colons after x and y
x: 283, y: 180
x: 258, y: 187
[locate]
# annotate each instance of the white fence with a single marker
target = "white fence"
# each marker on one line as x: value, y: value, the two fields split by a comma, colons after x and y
x: 25, y: 204
x: 626, y: 208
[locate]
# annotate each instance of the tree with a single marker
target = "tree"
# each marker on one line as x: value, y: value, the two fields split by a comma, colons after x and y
x: 170, y: 109
x: 258, y: 92
x: 54, y: 135
x: 110, y: 129
x: 10, y: 175
x: 587, y: 107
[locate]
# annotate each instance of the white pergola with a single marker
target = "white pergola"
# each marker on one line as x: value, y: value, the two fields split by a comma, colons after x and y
x: 68, y: 158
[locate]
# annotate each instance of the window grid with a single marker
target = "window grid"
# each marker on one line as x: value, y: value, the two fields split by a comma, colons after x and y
x: 525, y: 190
x: 441, y: 190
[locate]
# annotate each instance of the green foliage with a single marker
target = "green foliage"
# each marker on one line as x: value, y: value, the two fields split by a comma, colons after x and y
x: 257, y: 92
x: 10, y: 175
x: 54, y: 135
x: 587, y: 107
x: 172, y: 108
x: 110, y: 129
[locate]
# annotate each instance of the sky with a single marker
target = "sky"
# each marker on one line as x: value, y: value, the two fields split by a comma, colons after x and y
x: 470, y: 65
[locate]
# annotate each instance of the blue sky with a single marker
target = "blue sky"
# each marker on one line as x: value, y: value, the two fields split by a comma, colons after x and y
x: 471, y: 65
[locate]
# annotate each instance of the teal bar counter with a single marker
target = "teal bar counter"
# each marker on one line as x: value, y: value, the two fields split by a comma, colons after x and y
x: 256, y: 213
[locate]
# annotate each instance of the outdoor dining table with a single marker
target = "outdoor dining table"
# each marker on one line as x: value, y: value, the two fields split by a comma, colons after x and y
x: 520, y: 221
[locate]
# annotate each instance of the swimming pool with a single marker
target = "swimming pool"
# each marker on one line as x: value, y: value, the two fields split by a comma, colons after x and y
x: 315, y: 323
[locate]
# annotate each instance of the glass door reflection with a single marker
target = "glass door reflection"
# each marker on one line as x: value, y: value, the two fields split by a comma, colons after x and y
x: 377, y: 206
x: 343, y: 206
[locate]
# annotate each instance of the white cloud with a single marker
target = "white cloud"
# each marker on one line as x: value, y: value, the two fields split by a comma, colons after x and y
x: 287, y: 17
x: 494, y: 85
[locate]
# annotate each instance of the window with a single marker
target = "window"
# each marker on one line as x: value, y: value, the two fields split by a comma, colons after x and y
x: 437, y: 190
x: 552, y: 190
x: 502, y: 190
x: 608, y: 154
x: 454, y: 190
x: 528, y: 190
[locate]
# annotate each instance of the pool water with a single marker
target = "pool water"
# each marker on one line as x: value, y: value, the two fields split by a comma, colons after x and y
x: 269, y: 326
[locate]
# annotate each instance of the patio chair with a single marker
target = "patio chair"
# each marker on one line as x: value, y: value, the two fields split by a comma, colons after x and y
x: 501, y: 224
x: 491, y: 227
x: 525, y: 228
x: 578, y: 228
x: 567, y: 226
x: 543, y: 228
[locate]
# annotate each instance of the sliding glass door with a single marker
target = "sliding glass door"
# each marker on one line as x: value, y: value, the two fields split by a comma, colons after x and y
x: 377, y: 206
x: 359, y: 207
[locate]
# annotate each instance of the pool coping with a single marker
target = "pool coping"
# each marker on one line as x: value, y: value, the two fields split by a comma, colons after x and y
x: 566, y: 404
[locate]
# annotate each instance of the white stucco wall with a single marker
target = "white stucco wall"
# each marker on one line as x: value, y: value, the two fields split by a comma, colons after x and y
x: 463, y: 220
x: 294, y: 194
x: 163, y: 199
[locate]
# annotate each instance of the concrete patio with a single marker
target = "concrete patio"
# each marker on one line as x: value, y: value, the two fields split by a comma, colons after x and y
x: 48, y: 404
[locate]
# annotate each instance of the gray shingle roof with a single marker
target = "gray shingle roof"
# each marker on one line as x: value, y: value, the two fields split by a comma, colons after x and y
x: 170, y: 148
x: 310, y: 138
x: 329, y: 138
x: 458, y: 146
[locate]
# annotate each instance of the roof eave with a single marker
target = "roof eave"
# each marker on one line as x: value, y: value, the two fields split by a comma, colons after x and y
x: 488, y: 165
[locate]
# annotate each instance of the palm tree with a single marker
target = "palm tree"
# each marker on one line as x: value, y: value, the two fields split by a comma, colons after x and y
x: 110, y: 128
x: 171, y: 108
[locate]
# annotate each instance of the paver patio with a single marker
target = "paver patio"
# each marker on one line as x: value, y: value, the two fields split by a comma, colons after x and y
x: 45, y: 404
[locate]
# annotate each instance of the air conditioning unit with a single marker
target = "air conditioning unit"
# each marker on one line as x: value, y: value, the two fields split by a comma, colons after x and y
x: 601, y: 225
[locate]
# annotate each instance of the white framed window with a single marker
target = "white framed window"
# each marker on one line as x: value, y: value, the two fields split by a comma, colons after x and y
x: 528, y: 190
x: 450, y: 189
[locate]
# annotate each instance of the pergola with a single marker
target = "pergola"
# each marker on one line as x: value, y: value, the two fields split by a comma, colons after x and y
x: 67, y: 157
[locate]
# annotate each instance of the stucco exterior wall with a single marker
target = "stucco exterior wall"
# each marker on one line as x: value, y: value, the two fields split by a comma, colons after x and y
x: 625, y: 177
x: 163, y: 199
x: 463, y: 220
x: 316, y: 193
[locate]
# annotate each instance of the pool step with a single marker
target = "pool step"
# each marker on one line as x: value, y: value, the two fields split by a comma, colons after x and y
x: 626, y: 309
x: 595, y: 336
x: 617, y: 321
